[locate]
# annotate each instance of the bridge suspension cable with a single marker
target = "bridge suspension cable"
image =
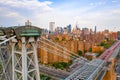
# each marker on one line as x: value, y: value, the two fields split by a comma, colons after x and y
x: 54, y: 52
x: 61, y: 51
x: 70, y: 52
x: 7, y: 40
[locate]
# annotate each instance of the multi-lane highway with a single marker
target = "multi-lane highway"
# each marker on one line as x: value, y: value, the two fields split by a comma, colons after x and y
x: 56, y: 73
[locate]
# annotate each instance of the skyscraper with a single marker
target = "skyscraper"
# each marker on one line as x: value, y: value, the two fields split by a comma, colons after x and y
x: 69, y: 28
x: 52, y: 26
x: 95, y: 29
x: 85, y: 31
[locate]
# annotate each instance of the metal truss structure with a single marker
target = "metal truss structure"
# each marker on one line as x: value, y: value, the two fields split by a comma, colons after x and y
x: 5, y: 60
x: 24, y: 60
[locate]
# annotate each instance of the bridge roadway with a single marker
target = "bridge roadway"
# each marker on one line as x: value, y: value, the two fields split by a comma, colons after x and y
x: 96, y: 69
x: 102, y: 74
x: 107, y: 54
x: 87, y: 71
x: 62, y: 74
x: 55, y: 73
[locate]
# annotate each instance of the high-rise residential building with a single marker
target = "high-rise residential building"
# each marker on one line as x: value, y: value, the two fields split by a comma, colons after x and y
x: 85, y: 32
x: 52, y: 26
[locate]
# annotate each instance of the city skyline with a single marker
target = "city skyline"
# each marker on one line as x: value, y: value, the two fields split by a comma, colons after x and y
x: 101, y: 13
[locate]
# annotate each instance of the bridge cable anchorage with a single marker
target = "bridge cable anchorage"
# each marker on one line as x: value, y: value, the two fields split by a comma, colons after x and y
x: 60, y: 47
x: 62, y: 51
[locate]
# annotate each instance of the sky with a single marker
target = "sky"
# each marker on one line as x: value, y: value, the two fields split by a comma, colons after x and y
x: 105, y: 14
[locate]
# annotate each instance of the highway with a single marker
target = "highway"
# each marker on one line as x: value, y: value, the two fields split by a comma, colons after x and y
x: 110, y: 53
x: 56, y: 73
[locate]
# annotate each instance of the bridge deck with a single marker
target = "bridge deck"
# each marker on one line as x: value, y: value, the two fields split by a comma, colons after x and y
x: 88, y: 71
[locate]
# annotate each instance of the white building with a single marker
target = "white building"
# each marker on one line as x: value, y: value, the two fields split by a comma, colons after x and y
x: 52, y: 26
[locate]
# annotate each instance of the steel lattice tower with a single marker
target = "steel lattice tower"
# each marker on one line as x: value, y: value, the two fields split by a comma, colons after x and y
x: 24, y: 54
x: 5, y: 61
x: 24, y: 59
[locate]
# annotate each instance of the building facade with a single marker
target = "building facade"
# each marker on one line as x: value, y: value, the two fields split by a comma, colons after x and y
x: 52, y: 26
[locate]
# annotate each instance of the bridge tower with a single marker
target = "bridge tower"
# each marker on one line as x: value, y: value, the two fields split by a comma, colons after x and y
x: 5, y: 62
x: 5, y: 54
x: 24, y: 54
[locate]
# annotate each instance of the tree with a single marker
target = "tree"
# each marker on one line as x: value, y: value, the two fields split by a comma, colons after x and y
x: 60, y: 65
x: 90, y: 49
x: 44, y: 77
x: 63, y: 39
x: 64, y: 64
x: 0, y: 66
x: 79, y: 52
x: 102, y: 44
x: 106, y: 45
x: 57, y: 39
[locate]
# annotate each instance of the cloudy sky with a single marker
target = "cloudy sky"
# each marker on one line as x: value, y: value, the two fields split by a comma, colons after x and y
x: 105, y: 14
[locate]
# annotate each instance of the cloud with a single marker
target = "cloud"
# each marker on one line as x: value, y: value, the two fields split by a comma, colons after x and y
x: 97, y: 3
x: 8, y: 17
x: 18, y: 11
x: 27, y: 4
x: 41, y: 13
x: 114, y: 1
x: 104, y: 19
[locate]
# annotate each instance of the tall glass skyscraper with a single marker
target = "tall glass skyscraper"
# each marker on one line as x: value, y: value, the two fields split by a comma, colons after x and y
x: 69, y: 28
